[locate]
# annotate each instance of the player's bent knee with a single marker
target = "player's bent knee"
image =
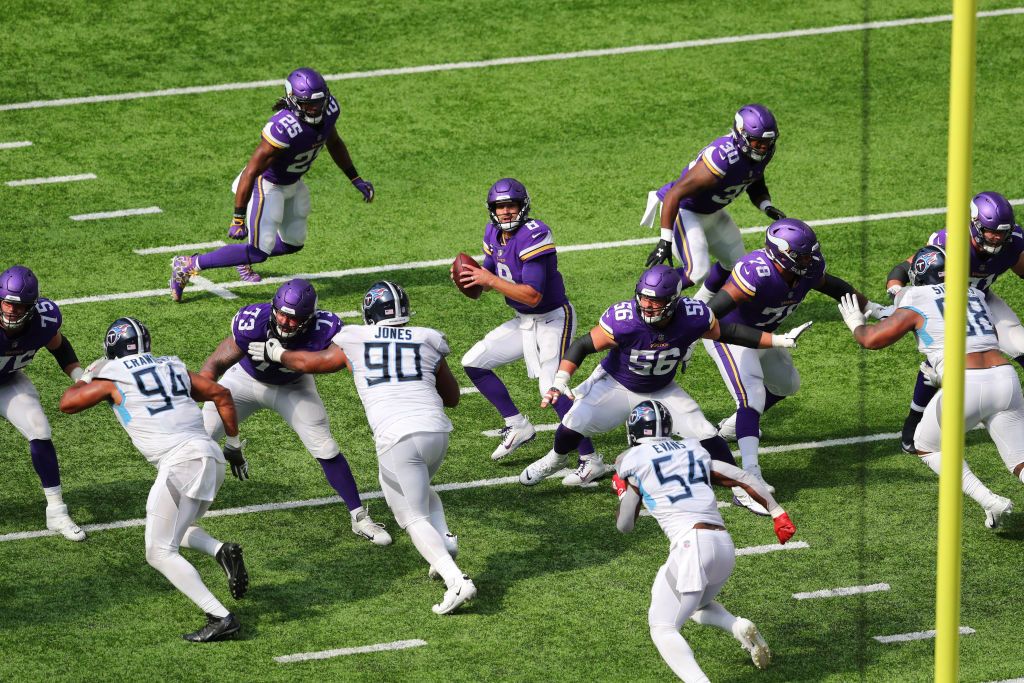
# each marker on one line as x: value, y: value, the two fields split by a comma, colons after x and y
x: 325, y: 450
x: 475, y: 357
x: 255, y: 254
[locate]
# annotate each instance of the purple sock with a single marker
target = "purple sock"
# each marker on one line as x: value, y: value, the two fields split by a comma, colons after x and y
x: 231, y: 255
x: 718, y: 449
x: 566, y: 440
x: 281, y: 247
x: 748, y: 422
x: 687, y: 282
x: 562, y: 407
x: 922, y: 392
x: 44, y: 460
x: 493, y: 390
x: 770, y: 400
x: 1020, y: 360
x: 717, y: 276
x: 339, y: 476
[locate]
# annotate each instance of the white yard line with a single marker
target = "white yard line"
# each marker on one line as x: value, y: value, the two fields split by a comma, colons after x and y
x: 51, y: 179
x: 15, y: 145
x: 209, y: 286
x: 116, y: 214
x: 841, y: 592
x: 1010, y: 680
x: 469, y: 390
x: 342, y: 651
x: 774, y: 547
x: 549, y: 427
x: 177, y: 248
x: 917, y: 635
x: 526, y: 59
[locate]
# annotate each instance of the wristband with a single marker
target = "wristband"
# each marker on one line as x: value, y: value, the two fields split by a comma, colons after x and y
x: 763, y: 206
x: 77, y: 373
x: 239, y: 212
x: 233, y: 441
x: 666, y: 234
x: 776, y: 512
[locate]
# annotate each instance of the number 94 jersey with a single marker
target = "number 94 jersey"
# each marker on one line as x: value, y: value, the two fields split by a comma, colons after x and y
x: 674, y: 478
x: 929, y: 301
x: 156, y: 408
x: 395, y: 371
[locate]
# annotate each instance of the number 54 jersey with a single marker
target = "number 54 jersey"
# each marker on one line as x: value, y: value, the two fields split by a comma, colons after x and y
x: 395, y: 371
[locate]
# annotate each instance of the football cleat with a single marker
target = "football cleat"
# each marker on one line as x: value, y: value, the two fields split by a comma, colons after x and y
x: 727, y: 428
x: 512, y: 437
x: 229, y: 557
x: 460, y: 593
x: 591, y: 468
x: 750, y: 638
x: 539, y: 470
x: 451, y: 544
x: 908, y: 447
x: 363, y: 526
x: 994, y: 513
x: 58, y: 519
x: 182, y: 268
x: 216, y: 628
x: 247, y: 274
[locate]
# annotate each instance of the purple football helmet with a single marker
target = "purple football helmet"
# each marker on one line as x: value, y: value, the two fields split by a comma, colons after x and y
x: 295, y: 299
x: 306, y: 94
x: 754, y: 123
x: 19, y: 286
x: 660, y: 284
x: 792, y: 244
x: 928, y: 267
x: 991, y: 213
x: 508, y: 190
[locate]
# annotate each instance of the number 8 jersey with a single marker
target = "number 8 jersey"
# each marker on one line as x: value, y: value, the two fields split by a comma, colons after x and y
x: 929, y: 301
x: 395, y: 371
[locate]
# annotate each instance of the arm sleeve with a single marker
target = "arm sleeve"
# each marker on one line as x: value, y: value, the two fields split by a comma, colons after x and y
x: 757, y: 191
x: 535, y: 273
x: 580, y: 349
x: 626, y: 519
x: 741, y: 335
x: 64, y: 354
x: 721, y: 304
x: 901, y: 272
x: 835, y: 287
x: 744, y: 477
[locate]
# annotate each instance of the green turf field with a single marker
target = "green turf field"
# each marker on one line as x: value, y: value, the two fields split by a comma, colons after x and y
x: 563, y: 596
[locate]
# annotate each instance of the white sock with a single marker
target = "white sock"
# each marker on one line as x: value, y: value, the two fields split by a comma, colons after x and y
x: 748, y: 452
x: 517, y: 420
x: 431, y: 546
x: 197, y: 539
x: 53, y: 496
x: 715, y: 615
x: 355, y: 513
x: 970, y: 484
x: 678, y: 654
x: 186, y: 579
x: 704, y: 294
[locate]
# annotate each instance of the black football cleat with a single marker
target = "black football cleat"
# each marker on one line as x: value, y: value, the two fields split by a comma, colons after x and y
x: 216, y: 628
x: 230, y: 559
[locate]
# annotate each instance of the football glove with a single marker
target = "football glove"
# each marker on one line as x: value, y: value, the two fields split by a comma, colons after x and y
x: 559, y: 388
x: 270, y: 350
x: 878, y: 311
x: 661, y: 253
x: 849, y: 308
x: 364, y: 186
x: 893, y: 291
x: 238, y: 231
x: 619, y: 485
x: 788, y: 340
x: 93, y: 370
x: 931, y: 376
x: 784, y: 527
x: 773, y: 213
x: 239, y: 465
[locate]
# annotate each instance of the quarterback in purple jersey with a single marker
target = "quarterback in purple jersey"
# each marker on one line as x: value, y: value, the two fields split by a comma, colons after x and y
x: 693, y: 216
x: 520, y: 261
x: 997, y: 247
x: 765, y: 287
x: 271, y: 199
x: 294, y: 320
x: 646, y: 338
x: 29, y: 322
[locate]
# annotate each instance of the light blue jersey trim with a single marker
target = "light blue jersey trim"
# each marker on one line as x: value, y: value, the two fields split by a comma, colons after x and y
x: 122, y: 413
x: 648, y: 501
x: 922, y: 333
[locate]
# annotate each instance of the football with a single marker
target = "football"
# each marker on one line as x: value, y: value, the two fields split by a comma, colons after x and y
x: 461, y: 261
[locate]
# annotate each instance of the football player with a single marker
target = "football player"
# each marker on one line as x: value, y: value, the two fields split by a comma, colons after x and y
x: 992, y: 391
x: 675, y: 479
x: 29, y: 322
x: 293, y: 319
x: 764, y: 288
x: 997, y: 247
x: 154, y: 399
x: 693, y: 215
x: 404, y: 382
x: 646, y: 338
x: 520, y: 262
x: 271, y: 199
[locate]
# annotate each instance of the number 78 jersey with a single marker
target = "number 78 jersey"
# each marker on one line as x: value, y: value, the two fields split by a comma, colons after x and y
x: 772, y: 299
x: 395, y: 372
x: 929, y: 301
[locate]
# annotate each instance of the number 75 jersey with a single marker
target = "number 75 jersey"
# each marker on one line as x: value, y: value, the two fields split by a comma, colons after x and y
x: 395, y: 371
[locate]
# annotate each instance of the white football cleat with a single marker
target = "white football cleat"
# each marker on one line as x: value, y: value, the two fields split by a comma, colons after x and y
x: 591, y: 468
x: 750, y: 638
x: 58, y: 519
x: 363, y: 526
x: 451, y: 544
x: 512, y: 437
x: 539, y: 470
x: 995, y: 512
x: 461, y: 592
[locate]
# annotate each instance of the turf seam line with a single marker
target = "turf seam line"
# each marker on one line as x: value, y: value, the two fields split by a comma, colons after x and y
x: 16, y: 144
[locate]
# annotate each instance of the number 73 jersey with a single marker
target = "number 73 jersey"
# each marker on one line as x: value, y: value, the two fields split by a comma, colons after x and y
x: 395, y: 371
x: 929, y: 301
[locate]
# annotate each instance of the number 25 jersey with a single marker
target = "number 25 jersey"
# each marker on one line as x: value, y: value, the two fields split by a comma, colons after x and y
x: 395, y: 371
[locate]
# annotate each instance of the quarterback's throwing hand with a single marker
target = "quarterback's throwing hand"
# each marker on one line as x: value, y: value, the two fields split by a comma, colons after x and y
x: 559, y: 388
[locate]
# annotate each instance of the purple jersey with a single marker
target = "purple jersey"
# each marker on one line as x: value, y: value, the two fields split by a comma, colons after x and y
x: 17, y: 352
x: 985, y: 268
x: 298, y: 141
x: 526, y: 255
x: 646, y: 357
x: 735, y: 171
x: 772, y: 298
x: 252, y: 324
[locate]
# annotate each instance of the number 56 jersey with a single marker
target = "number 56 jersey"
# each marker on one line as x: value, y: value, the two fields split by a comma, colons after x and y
x: 395, y: 371
x: 156, y: 408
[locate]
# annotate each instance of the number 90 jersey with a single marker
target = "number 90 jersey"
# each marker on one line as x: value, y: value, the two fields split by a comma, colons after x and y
x: 156, y: 408
x: 929, y: 301
x: 395, y: 371
x: 772, y: 299
x: 252, y: 324
x: 646, y: 357
x: 674, y: 478
x: 735, y: 171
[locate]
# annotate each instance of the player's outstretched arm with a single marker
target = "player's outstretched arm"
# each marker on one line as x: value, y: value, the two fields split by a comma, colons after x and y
x: 447, y: 386
x: 593, y: 341
x: 65, y: 356
x: 885, y: 333
x: 724, y: 474
x: 82, y: 396
x: 331, y: 359
x: 223, y: 357
x: 205, y: 389
x: 898, y: 278
x: 728, y: 297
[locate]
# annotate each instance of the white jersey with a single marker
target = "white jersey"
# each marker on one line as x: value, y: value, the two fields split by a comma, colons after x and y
x: 156, y: 408
x: 395, y: 371
x: 928, y: 301
x: 674, y: 478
